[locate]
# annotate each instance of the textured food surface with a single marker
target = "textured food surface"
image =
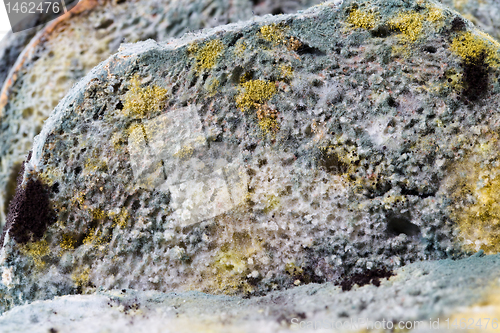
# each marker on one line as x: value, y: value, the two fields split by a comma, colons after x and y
x: 348, y: 139
x: 71, y: 46
x: 416, y: 297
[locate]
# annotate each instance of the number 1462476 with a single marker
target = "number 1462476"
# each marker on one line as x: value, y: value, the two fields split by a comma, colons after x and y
x: 32, y: 7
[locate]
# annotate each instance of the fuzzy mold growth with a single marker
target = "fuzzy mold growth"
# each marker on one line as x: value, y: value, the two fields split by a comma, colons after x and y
x: 29, y: 211
x: 273, y: 33
x: 207, y: 56
x: 140, y: 101
x: 476, y: 196
x: 410, y: 24
x: 471, y: 47
x: 254, y: 92
x: 363, y: 19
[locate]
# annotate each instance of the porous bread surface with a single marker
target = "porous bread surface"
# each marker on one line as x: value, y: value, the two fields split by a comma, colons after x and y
x: 69, y: 47
x: 45, y: 78
x: 10, y: 48
x: 417, y: 296
x: 264, y: 155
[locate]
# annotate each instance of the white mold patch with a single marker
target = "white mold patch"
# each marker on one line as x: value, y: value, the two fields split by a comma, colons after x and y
x: 170, y: 153
x: 7, y: 275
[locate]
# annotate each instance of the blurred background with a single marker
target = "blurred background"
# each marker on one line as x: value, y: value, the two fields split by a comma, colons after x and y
x: 4, y: 21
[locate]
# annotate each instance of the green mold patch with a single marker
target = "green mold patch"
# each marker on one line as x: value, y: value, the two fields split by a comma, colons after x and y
x: 139, y: 101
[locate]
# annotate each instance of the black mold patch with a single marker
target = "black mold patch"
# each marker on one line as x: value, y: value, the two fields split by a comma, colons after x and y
x: 457, y: 24
x: 331, y: 163
x: 361, y: 279
x: 29, y: 211
x: 382, y: 31
x: 475, y: 78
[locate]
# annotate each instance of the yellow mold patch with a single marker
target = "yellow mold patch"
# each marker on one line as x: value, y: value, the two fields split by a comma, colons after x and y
x: 274, y: 33
x: 435, y: 14
x: 269, y: 126
x: 286, y: 71
x: 231, y: 266
x: 36, y: 250
x: 98, y: 214
x: 81, y: 277
x: 67, y: 242
x: 292, y: 269
x: 120, y: 219
x: 268, y: 121
x: 459, y: 4
x: 410, y: 24
x: 454, y: 79
x: 140, y: 101
x: 471, y: 46
x: 137, y: 134
x: 184, y: 152
x: 363, y: 19
x: 273, y: 202
x: 254, y: 93
x: 390, y: 200
x: 94, y: 164
x: 476, y: 209
x: 118, y: 141
x: 95, y: 238
x: 207, y: 56
x: 338, y: 158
